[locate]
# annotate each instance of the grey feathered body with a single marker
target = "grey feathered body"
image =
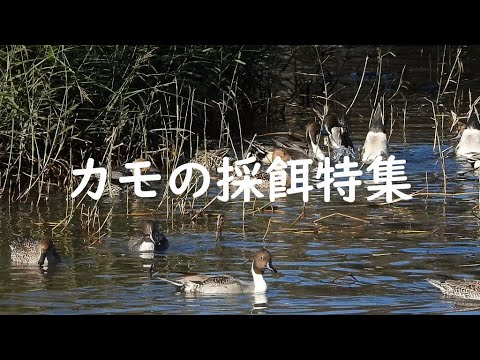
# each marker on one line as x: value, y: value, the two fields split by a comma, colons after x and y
x: 465, y: 289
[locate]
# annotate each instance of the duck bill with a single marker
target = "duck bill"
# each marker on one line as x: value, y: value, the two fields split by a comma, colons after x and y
x: 271, y: 268
x: 325, y: 132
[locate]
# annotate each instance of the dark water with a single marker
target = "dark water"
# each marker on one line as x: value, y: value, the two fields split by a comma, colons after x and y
x: 341, y: 258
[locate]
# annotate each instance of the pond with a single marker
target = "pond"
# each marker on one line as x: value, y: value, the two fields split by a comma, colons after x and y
x: 365, y: 257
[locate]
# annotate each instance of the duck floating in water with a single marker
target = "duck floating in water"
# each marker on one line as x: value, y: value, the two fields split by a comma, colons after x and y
x: 310, y: 148
x: 225, y: 284
x: 464, y: 289
x: 468, y: 147
x: 152, y: 239
x: 313, y: 135
x: 32, y: 251
x: 338, y: 139
x: 265, y: 154
x: 210, y: 159
x: 293, y: 147
x: 376, y: 143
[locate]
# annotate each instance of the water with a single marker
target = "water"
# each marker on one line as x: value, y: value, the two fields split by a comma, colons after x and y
x: 341, y: 258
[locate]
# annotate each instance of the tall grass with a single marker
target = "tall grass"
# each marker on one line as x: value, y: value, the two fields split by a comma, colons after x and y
x: 60, y: 105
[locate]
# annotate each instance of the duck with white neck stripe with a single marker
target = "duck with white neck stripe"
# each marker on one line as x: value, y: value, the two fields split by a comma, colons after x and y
x: 152, y: 239
x: 226, y: 284
x: 337, y: 138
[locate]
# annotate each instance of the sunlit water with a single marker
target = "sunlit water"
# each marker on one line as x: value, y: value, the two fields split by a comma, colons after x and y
x: 341, y: 258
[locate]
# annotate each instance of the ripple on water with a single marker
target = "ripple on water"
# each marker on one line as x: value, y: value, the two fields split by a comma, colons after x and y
x: 339, y: 258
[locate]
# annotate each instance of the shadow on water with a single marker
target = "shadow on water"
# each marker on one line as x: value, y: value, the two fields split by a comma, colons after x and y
x: 366, y: 257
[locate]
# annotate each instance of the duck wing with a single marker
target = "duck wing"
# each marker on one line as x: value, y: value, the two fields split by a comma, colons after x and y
x: 209, y: 279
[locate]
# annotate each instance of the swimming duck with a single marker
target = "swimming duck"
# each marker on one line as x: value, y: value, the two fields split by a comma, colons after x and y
x: 152, y: 239
x: 32, y: 251
x: 469, y: 145
x: 474, y: 160
x: 313, y: 134
x: 337, y: 139
x: 310, y: 147
x: 294, y: 147
x: 376, y: 143
x: 265, y: 154
x: 465, y: 289
x: 264, y: 178
x: 337, y: 132
x: 211, y: 159
x: 225, y: 284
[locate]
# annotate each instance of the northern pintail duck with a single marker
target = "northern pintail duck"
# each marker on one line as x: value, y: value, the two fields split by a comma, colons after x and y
x: 264, y: 178
x: 469, y: 145
x: 376, y: 143
x: 474, y: 160
x: 313, y: 135
x: 32, y: 251
x: 152, y: 239
x: 210, y: 159
x: 226, y: 284
x: 464, y: 289
x: 265, y: 154
x: 310, y: 147
x: 338, y: 139
x: 290, y: 148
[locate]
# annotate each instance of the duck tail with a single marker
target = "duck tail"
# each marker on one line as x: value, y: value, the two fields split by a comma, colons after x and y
x: 176, y: 283
x: 436, y: 283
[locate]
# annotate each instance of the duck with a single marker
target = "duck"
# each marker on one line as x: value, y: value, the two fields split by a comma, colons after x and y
x: 295, y: 147
x: 210, y: 159
x: 310, y: 146
x: 338, y: 139
x: 474, y: 160
x: 226, y: 284
x: 264, y: 182
x: 376, y: 143
x: 34, y: 251
x: 265, y: 154
x: 313, y: 135
x: 152, y: 239
x: 468, y: 147
x: 464, y: 289
x: 262, y: 178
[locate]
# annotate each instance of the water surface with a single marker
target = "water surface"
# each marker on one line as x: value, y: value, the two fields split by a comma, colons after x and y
x: 341, y: 258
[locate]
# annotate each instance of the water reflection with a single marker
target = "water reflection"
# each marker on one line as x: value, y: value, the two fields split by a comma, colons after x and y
x: 32, y: 272
x: 338, y: 258
x: 463, y: 306
x: 147, y: 255
x: 260, y: 303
